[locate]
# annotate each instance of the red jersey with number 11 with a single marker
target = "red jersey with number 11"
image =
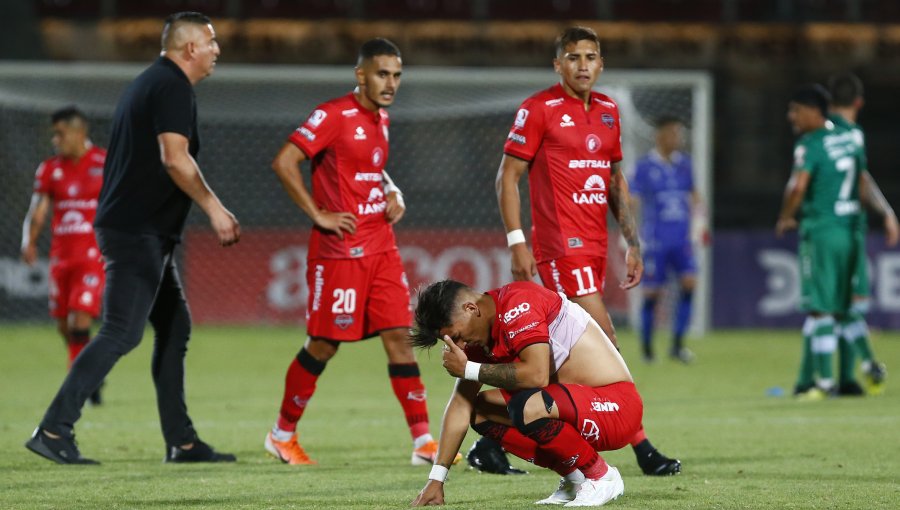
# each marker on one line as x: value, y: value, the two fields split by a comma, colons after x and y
x: 571, y: 151
x: 73, y: 186
x: 348, y: 148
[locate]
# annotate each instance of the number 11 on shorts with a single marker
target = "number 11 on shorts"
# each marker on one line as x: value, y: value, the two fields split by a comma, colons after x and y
x: 592, y: 287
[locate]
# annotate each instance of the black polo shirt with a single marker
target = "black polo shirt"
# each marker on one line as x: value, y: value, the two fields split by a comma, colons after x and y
x: 138, y: 196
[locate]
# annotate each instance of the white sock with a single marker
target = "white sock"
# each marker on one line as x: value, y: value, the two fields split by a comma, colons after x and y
x: 281, y: 435
x: 866, y: 366
x: 422, y: 440
x: 576, y: 477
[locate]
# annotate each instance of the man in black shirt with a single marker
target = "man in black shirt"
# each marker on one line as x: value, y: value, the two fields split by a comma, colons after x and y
x: 150, y: 179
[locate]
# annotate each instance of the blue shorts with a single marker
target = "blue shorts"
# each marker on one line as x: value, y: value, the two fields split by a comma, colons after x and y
x: 661, y: 259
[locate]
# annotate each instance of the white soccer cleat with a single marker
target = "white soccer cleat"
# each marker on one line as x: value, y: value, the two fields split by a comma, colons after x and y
x: 565, y: 493
x: 599, y: 492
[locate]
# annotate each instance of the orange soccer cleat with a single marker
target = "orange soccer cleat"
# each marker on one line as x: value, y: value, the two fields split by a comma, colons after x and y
x: 289, y: 452
x: 426, y: 454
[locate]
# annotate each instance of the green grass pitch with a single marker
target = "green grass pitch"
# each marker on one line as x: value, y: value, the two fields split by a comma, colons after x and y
x: 740, y: 448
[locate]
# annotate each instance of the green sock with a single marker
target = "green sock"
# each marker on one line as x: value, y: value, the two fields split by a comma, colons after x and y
x: 846, y: 360
x: 824, y: 343
x: 805, y: 378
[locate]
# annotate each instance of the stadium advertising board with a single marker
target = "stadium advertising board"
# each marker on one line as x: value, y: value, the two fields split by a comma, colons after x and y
x: 263, y: 278
x: 756, y: 281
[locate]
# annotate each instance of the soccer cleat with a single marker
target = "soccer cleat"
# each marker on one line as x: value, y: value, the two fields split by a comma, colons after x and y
x: 874, y: 379
x: 850, y: 389
x: 200, y: 452
x: 487, y: 456
x: 289, y: 452
x: 599, y: 492
x: 426, y: 455
x: 61, y: 450
x: 565, y: 493
x: 813, y: 394
x: 96, y: 398
x: 657, y: 464
x: 683, y: 355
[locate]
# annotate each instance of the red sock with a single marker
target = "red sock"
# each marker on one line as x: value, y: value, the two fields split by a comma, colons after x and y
x: 524, y: 447
x: 407, y: 385
x: 78, y: 339
x: 299, y: 385
x: 639, y: 437
x: 564, y: 444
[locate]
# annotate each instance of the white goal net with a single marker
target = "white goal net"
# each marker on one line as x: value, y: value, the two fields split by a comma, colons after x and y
x: 448, y: 126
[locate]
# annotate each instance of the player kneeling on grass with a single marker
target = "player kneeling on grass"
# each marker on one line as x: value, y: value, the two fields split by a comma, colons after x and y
x: 563, y: 391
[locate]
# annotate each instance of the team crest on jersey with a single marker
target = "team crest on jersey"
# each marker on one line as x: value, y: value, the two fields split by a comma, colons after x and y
x: 343, y: 321
x: 567, y: 121
x: 521, y: 117
x: 360, y: 133
x: 377, y: 156
x: 608, y: 120
x: 592, y: 143
x: 73, y: 190
x: 91, y: 280
x: 57, y: 174
x: 316, y: 118
x: 95, y: 171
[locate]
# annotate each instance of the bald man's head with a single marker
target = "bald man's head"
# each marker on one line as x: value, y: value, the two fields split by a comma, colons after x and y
x: 181, y: 28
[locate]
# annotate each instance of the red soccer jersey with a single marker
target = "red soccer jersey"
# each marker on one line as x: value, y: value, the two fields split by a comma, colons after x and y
x: 74, y: 187
x: 571, y: 152
x: 525, y: 311
x: 348, y: 148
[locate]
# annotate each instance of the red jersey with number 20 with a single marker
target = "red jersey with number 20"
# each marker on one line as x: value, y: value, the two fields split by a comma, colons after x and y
x: 73, y: 186
x: 571, y: 152
x: 348, y: 148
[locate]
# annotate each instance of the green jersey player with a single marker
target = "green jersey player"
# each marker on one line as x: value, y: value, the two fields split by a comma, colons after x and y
x: 846, y: 100
x: 824, y: 187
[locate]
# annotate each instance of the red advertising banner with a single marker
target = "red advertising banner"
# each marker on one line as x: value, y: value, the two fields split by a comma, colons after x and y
x: 262, y: 279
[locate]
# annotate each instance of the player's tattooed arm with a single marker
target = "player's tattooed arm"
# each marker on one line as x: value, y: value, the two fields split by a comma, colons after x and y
x: 620, y: 203
x: 499, y: 376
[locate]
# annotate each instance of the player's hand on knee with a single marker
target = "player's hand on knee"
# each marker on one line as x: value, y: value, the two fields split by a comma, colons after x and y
x: 431, y: 495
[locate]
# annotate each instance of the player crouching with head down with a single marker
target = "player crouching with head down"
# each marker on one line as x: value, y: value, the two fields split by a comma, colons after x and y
x: 563, y: 391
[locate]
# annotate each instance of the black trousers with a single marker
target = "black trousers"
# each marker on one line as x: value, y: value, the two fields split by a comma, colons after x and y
x: 141, y: 284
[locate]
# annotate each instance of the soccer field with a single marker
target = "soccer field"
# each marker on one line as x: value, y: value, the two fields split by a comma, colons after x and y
x: 740, y: 448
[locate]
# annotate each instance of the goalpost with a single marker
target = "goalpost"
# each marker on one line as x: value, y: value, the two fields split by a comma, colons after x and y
x: 448, y: 126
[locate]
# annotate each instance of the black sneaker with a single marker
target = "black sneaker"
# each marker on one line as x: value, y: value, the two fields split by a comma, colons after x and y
x: 850, y: 389
x: 487, y: 456
x: 200, y: 452
x: 657, y: 464
x: 61, y: 450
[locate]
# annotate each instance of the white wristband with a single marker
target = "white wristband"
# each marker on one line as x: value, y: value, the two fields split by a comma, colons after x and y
x: 515, y: 237
x: 438, y: 473
x: 472, y: 370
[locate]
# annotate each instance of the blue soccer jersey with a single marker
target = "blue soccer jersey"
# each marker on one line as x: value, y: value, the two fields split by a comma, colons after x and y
x: 665, y: 188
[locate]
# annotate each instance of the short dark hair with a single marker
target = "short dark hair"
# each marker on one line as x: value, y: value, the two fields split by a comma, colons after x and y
x: 179, y: 18
x: 375, y: 47
x: 434, y: 311
x: 573, y: 35
x: 812, y: 94
x: 664, y: 120
x: 845, y: 88
x: 68, y: 114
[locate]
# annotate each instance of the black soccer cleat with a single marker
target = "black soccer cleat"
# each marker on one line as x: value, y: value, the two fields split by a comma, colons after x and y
x: 850, y: 389
x: 487, y: 456
x: 96, y: 398
x: 200, y: 452
x: 61, y: 450
x: 657, y: 464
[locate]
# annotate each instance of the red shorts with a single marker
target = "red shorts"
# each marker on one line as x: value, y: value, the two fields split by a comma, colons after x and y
x: 76, y: 286
x: 608, y: 416
x: 574, y: 276
x: 352, y: 299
